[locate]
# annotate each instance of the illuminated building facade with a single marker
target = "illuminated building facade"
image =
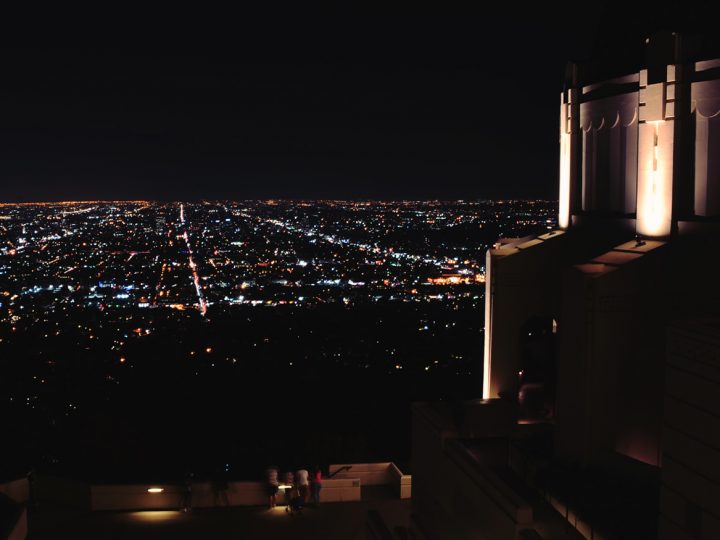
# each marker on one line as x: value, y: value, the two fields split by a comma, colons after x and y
x: 580, y: 432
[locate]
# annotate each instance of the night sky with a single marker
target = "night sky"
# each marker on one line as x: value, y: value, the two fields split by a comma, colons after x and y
x: 363, y: 108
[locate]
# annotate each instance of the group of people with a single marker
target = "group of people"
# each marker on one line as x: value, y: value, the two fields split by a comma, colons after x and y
x: 300, y: 488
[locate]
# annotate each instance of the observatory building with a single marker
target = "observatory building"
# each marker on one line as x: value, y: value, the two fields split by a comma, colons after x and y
x: 599, y: 416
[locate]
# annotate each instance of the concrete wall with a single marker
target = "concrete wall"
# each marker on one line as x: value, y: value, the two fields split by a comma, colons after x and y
x: 135, y: 497
x: 705, y: 104
x: 370, y: 474
x: 525, y: 280
x: 690, y: 492
x: 610, y: 350
x: 454, y: 498
x: 63, y: 491
x: 609, y: 153
x: 401, y: 482
x: 377, y: 474
x: 519, y: 286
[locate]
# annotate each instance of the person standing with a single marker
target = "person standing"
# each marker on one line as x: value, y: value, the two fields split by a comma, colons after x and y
x: 187, y: 493
x: 32, y: 488
x: 271, y: 482
x: 220, y: 491
x: 288, y: 481
x: 316, y: 484
x: 302, y: 479
x: 296, y: 500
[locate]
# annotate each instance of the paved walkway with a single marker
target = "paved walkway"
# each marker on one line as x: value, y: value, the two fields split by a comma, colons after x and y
x: 331, y: 521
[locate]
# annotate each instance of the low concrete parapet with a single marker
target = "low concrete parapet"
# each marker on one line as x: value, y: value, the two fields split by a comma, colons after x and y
x: 136, y: 497
x: 205, y: 495
x: 401, y: 482
x: 376, y: 474
x: 344, y: 487
x: 63, y: 491
x: 370, y: 474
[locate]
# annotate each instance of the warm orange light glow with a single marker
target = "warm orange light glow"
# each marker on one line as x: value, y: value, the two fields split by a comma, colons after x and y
x: 564, y: 203
x: 452, y: 279
x: 654, y: 203
x: 154, y: 516
x: 487, y: 341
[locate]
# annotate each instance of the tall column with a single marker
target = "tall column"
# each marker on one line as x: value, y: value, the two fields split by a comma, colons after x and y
x: 655, y: 157
x: 487, y: 341
x: 569, y: 148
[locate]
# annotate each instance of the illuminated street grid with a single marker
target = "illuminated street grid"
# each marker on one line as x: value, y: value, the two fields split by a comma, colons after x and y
x: 89, y: 290
x: 194, y: 256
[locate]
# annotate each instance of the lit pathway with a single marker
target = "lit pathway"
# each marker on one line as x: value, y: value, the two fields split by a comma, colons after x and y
x: 193, y: 267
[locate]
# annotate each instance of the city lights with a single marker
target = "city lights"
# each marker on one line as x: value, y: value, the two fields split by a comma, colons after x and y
x: 100, y: 283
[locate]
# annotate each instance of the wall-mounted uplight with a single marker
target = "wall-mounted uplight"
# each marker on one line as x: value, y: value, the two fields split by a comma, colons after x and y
x: 564, y: 202
x: 654, y: 195
x: 155, y: 490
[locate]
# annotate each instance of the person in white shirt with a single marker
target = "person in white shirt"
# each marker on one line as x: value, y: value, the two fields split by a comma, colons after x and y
x: 302, y: 479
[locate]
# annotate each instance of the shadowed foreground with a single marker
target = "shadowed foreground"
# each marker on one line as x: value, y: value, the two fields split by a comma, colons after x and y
x: 329, y: 521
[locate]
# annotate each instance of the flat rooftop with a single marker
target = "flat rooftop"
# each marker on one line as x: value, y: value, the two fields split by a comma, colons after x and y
x: 344, y: 520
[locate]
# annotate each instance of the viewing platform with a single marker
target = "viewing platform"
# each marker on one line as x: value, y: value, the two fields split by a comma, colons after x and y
x: 363, y: 501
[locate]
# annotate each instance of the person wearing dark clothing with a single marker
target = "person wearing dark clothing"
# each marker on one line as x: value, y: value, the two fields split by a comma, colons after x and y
x: 296, y: 500
x: 187, y: 493
x: 272, y: 485
x: 220, y: 492
x: 288, y: 481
